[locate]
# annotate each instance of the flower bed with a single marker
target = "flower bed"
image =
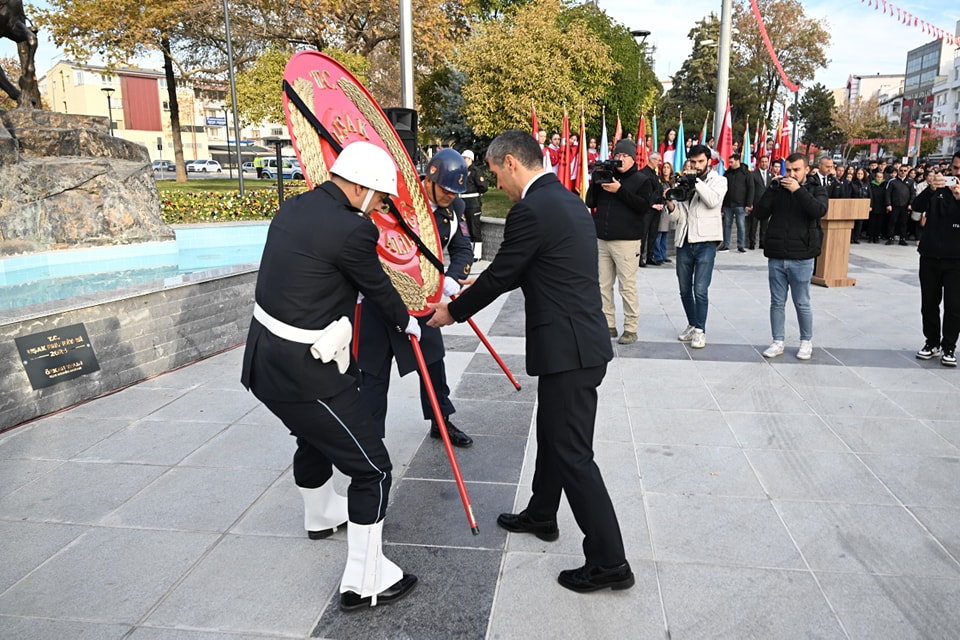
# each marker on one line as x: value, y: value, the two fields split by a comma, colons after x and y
x: 224, y: 206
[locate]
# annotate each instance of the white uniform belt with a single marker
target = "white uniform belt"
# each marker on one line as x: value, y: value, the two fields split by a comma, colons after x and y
x: 284, y: 330
x: 469, y: 195
x: 332, y: 343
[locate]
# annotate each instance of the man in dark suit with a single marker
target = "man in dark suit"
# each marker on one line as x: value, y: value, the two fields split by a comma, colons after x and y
x: 549, y: 250
x: 379, y: 345
x: 320, y: 252
x: 757, y: 229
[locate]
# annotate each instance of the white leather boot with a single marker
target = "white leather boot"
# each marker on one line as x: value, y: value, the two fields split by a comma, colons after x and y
x: 477, y: 250
x: 324, y: 510
x: 368, y: 571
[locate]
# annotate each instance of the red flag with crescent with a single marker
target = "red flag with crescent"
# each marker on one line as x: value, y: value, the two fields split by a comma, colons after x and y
x: 326, y: 109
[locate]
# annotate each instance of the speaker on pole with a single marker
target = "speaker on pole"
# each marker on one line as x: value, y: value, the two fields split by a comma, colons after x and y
x: 405, y: 123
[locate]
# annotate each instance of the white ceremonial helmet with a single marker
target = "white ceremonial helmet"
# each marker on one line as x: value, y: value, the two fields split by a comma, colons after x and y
x: 368, y: 165
x: 468, y: 154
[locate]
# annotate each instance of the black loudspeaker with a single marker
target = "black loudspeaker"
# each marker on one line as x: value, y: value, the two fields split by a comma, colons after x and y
x: 405, y: 123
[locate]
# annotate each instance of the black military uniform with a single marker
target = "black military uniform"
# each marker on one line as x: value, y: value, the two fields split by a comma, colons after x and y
x: 319, y: 253
x: 379, y: 343
x: 476, y: 187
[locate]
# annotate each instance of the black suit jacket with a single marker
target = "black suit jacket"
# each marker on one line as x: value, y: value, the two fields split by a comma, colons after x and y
x: 760, y: 184
x: 549, y: 250
x: 319, y: 253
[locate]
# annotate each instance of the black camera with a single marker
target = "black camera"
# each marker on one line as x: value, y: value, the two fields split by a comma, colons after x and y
x: 603, y: 170
x: 684, y: 189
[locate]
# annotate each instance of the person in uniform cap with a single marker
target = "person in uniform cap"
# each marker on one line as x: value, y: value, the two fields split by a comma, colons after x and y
x: 446, y: 178
x: 321, y: 250
x: 476, y: 187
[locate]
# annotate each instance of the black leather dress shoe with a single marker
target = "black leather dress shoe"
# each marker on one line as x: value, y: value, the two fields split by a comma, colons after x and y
x: 522, y: 523
x: 350, y: 601
x: 457, y: 438
x: 592, y: 578
x: 325, y: 533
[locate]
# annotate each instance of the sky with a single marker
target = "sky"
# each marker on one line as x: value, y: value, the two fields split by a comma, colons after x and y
x: 864, y: 42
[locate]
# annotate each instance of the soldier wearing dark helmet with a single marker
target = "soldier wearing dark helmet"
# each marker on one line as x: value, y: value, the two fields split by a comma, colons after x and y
x: 445, y: 180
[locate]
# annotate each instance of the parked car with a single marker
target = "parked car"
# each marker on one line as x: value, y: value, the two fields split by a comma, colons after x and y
x: 291, y: 169
x: 164, y: 165
x: 205, y: 166
x: 248, y: 166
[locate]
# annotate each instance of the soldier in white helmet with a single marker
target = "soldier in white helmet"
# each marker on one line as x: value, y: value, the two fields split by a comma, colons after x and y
x: 320, y: 253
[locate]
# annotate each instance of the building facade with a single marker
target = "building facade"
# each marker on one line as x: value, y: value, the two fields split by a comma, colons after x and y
x: 136, y: 101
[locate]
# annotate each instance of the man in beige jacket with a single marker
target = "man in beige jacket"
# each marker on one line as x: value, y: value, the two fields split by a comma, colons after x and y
x: 695, y: 206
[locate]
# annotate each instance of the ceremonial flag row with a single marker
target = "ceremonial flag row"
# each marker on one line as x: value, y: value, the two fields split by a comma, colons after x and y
x: 573, y: 168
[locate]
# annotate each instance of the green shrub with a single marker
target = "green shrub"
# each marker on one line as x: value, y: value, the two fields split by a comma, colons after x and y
x: 181, y: 207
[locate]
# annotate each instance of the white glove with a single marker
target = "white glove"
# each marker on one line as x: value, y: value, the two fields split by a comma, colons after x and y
x: 413, y: 328
x: 450, y: 287
x: 359, y: 298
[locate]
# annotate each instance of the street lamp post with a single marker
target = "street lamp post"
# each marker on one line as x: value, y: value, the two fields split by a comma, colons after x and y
x: 723, y: 66
x: 226, y: 127
x: 233, y: 91
x: 108, y: 91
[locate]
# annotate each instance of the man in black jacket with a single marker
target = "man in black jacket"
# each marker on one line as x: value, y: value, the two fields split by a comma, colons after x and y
x: 550, y: 252
x: 621, y: 205
x: 792, y: 243
x: 739, y: 196
x: 320, y: 252
x: 898, y: 200
x: 472, y: 202
x: 651, y: 219
x: 939, y: 250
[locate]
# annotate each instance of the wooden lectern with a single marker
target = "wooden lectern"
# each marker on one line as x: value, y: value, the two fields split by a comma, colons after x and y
x: 831, y: 266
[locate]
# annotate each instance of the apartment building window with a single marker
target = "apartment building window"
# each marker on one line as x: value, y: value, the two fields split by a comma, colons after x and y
x: 276, y: 132
x: 77, y: 77
x: 255, y: 133
x: 107, y: 80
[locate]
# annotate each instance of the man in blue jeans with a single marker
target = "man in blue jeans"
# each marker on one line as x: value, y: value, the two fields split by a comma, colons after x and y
x: 739, y: 196
x: 794, y: 207
x: 695, y: 206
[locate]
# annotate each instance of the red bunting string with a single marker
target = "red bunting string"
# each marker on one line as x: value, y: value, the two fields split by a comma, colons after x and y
x: 791, y: 86
x: 905, y: 17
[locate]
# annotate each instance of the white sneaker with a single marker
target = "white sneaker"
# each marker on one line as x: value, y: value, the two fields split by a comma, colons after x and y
x: 775, y: 349
x: 699, y: 340
x: 806, y: 350
x: 687, y: 333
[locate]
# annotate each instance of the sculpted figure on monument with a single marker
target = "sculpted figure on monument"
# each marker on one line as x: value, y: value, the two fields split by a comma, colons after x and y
x: 14, y: 26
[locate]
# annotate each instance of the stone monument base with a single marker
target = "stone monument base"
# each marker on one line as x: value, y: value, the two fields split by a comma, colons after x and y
x: 65, y: 182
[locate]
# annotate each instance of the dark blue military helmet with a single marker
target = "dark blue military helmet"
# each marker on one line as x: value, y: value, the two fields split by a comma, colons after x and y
x: 448, y: 170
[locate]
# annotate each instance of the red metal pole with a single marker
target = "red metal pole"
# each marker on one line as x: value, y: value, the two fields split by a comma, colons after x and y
x: 356, y: 331
x: 443, y: 434
x: 493, y: 352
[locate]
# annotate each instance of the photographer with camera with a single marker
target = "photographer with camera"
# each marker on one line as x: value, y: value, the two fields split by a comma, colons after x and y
x: 939, y: 250
x: 694, y: 204
x: 621, y: 196
x: 794, y: 208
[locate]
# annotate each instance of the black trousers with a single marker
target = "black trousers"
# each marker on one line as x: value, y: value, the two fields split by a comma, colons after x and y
x: 897, y: 222
x: 471, y: 215
x: 567, y: 411
x: 651, y: 225
x: 940, y: 280
x: 756, y: 231
x: 337, y: 432
x: 374, y: 388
